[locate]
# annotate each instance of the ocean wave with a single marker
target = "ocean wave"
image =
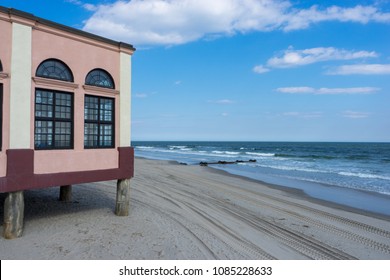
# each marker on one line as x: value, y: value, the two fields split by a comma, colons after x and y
x: 232, y: 153
x: 357, y: 157
x: 144, y: 147
x: 346, y: 185
x: 177, y: 147
x: 260, y: 154
x: 305, y: 156
x: 364, y: 175
x: 225, y: 152
x: 345, y: 165
x: 290, y: 168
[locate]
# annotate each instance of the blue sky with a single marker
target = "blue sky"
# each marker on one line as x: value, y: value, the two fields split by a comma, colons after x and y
x: 250, y: 70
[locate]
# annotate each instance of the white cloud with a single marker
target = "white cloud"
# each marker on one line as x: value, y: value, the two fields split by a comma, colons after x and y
x: 355, y: 90
x: 90, y: 7
x: 296, y: 90
x: 362, y: 69
x: 291, y: 114
x: 87, y: 6
x: 361, y: 14
x: 260, y: 69
x: 292, y: 58
x: 171, y: 22
x: 329, y: 91
x: 76, y: 2
x: 305, y: 115
x: 222, y: 101
x: 141, y: 95
x: 355, y: 115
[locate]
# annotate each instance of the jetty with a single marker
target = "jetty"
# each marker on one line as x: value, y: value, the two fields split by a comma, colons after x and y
x: 204, y: 163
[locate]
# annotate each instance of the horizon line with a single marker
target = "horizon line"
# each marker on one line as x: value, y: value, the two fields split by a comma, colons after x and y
x: 280, y: 141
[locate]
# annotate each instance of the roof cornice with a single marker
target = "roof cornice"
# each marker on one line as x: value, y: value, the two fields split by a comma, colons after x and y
x: 14, y: 13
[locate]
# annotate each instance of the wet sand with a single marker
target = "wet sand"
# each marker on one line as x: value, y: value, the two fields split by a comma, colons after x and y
x: 193, y: 212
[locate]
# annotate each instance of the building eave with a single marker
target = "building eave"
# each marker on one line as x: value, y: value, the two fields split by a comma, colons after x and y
x: 41, y: 21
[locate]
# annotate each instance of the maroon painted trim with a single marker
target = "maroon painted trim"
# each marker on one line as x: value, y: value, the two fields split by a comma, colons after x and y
x: 20, y: 172
x: 20, y: 169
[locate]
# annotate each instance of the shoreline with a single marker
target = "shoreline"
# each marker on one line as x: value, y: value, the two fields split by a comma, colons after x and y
x: 189, y: 212
x: 300, y: 193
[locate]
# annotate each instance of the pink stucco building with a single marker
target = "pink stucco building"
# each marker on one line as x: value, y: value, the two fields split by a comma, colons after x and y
x: 65, y: 108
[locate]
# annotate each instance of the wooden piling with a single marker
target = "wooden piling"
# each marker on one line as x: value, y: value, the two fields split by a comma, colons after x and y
x: 122, y: 197
x: 13, y: 215
x: 66, y: 193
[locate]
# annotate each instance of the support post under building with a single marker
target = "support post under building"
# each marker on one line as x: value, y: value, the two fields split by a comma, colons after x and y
x: 66, y: 193
x: 122, y: 197
x: 13, y: 215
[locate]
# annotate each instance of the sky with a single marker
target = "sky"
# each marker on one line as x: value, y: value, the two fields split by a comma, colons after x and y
x: 246, y: 70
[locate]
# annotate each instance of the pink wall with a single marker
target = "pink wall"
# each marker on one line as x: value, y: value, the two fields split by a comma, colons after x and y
x: 58, y: 161
x: 80, y: 58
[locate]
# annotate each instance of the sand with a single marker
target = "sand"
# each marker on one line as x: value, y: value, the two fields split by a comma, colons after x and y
x: 193, y: 212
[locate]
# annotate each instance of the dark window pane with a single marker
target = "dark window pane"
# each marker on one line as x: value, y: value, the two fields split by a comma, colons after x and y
x: 54, y: 69
x: 63, y: 108
x: 99, y: 78
x: 53, y: 120
x: 43, y: 134
x: 106, y: 110
x: 99, y: 122
x: 91, y: 108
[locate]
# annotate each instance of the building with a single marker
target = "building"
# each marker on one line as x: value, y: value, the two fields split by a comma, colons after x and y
x: 65, y: 108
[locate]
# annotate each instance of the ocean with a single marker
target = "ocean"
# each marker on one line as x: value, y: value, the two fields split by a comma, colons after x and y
x: 352, y: 174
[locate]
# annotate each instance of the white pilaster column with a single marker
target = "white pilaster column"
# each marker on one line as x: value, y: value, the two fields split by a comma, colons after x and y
x: 20, y: 96
x: 125, y: 100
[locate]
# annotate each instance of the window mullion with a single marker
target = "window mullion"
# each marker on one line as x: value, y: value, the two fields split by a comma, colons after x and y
x: 54, y: 130
x: 96, y: 127
x: 98, y: 123
x: 54, y: 119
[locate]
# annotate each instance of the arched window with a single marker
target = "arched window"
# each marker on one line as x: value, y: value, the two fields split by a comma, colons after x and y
x: 99, y: 78
x: 53, y: 109
x: 1, y: 67
x: 54, y: 69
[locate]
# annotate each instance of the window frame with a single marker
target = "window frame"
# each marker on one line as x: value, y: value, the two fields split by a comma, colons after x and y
x: 110, y: 79
x: 64, y: 65
x: 55, y: 120
x: 99, y: 122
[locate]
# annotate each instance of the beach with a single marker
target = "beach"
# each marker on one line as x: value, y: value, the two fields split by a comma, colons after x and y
x: 193, y: 212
